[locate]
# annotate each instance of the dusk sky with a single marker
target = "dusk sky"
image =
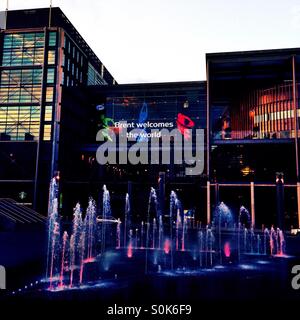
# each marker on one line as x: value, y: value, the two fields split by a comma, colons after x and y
x: 166, y: 40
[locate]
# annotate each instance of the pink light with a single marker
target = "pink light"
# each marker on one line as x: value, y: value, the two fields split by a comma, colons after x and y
x: 81, y: 273
x: 89, y: 260
x: 227, y: 250
x: 129, y: 251
x: 167, y: 246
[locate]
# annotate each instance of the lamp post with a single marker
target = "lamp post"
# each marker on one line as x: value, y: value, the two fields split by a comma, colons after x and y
x: 296, y: 129
x: 252, y: 196
x: 280, y: 199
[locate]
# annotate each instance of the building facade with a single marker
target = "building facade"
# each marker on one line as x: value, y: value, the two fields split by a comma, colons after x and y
x: 41, y: 52
x: 253, y: 105
x: 55, y: 95
x: 159, y: 105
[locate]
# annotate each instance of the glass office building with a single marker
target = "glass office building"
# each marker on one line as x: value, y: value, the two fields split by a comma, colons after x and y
x: 41, y: 52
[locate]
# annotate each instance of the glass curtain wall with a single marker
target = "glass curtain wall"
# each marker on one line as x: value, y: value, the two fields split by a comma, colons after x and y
x: 21, y: 85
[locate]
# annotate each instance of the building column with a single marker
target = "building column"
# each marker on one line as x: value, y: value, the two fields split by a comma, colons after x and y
x: 217, y: 194
x: 36, y: 191
x: 280, y: 200
x: 161, y: 194
x: 298, y: 197
x: 208, y: 209
x: 295, y: 107
x: 252, y: 204
x: 208, y: 204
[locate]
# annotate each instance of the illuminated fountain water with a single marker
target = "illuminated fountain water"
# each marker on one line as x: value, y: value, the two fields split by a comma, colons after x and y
x: 160, y: 232
x: 54, y: 252
x: 258, y: 244
x: 266, y: 236
x: 184, y: 232
x: 127, y: 220
x: 64, y: 265
x: 178, y: 227
x: 201, y: 247
x: 154, y: 228
x: 90, y: 227
x: 118, y: 236
x: 82, y: 243
x: 282, y: 242
x: 151, y: 202
x: 106, y: 213
x: 277, y: 242
x: 52, y: 220
x: 239, y: 240
x: 161, y: 244
x: 244, y: 217
x: 75, y: 240
x: 142, y: 235
x: 175, y: 215
x: 130, y: 245
x: 209, y: 244
x: 136, y: 238
x: 223, y: 218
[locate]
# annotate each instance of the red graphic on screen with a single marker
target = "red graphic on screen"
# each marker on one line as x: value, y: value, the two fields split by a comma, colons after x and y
x: 184, y: 125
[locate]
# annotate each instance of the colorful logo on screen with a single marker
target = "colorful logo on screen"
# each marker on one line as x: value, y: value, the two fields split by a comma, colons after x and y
x: 185, y: 125
x: 108, y: 125
x: 143, y: 116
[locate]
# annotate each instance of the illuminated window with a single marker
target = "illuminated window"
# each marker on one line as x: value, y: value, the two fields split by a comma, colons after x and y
x: 50, y: 75
x: 94, y: 77
x: 21, y: 88
x: 20, y: 85
x: 49, y: 94
x: 52, y: 39
x: 17, y: 121
x: 23, y: 49
x: 47, y: 132
x: 48, y: 113
x: 51, y: 57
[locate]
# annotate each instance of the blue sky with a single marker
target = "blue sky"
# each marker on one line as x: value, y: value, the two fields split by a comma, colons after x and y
x: 166, y: 40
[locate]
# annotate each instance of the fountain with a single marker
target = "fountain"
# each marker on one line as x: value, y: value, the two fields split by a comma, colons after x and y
x: 52, y: 218
x: 75, y: 240
x: 130, y: 246
x: 63, y: 258
x: 201, y: 247
x: 223, y: 216
x: 179, y: 245
x: 54, y: 252
x: 118, y: 240
x: 178, y: 227
x: 175, y: 211
x: 152, y: 199
x: 127, y: 221
x: 244, y: 217
x: 142, y: 235
x: 160, y: 232
x: 154, y: 227
x: 106, y: 213
x: 90, y: 225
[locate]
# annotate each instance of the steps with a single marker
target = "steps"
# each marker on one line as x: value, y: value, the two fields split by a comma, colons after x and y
x: 14, y: 213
